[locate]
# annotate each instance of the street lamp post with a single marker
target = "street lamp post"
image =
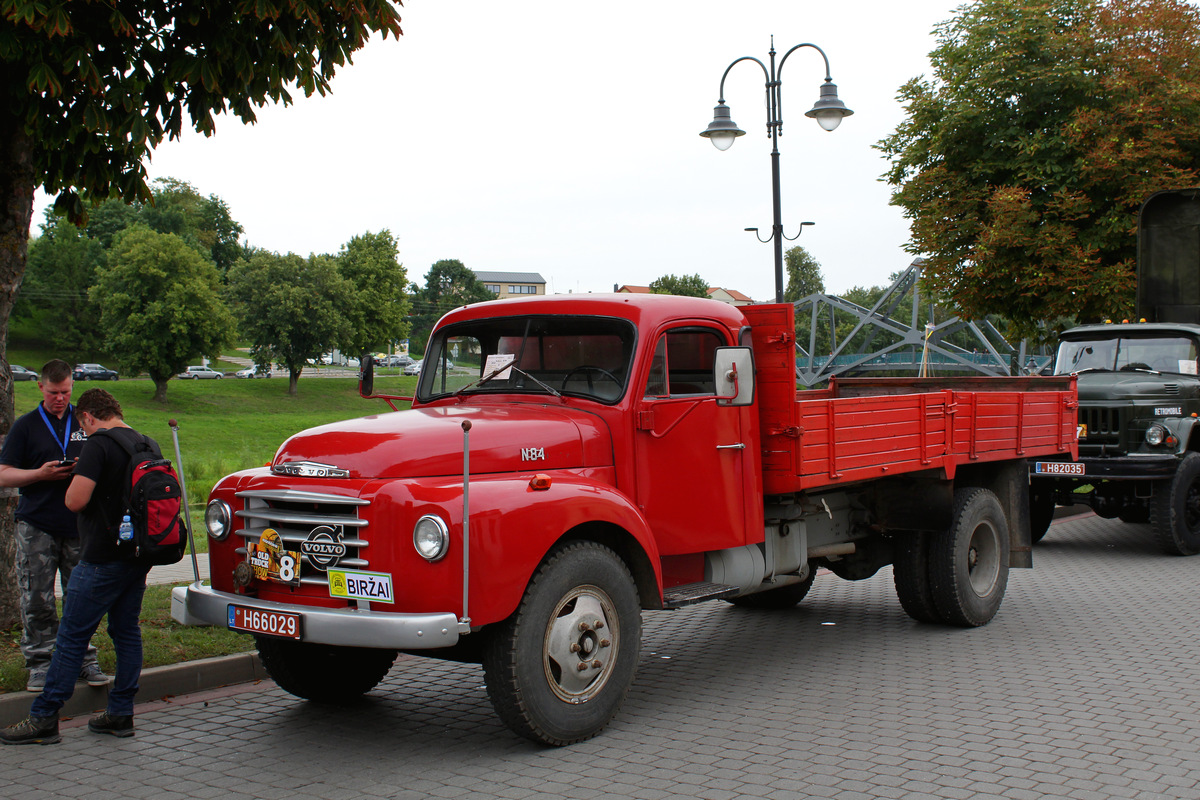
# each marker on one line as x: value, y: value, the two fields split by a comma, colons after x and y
x: 827, y: 111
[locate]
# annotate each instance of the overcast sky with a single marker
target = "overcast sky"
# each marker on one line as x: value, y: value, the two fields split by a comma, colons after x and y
x: 561, y: 138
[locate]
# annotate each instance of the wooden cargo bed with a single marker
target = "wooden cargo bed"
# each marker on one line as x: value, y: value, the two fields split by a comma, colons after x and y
x: 867, y: 428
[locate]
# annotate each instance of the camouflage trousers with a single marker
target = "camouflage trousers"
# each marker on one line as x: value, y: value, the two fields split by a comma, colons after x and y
x: 40, y: 557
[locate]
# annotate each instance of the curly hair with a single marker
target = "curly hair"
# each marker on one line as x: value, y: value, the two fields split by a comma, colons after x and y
x: 99, y: 403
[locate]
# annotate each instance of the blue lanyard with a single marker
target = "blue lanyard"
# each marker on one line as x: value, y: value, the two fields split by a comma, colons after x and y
x: 53, y: 434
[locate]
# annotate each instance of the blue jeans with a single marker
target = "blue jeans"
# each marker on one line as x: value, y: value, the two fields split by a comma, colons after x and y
x: 114, y: 588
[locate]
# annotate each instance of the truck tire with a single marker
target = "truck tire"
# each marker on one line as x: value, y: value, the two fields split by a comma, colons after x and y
x: 323, y: 673
x: 1041, y: 513
x: 968, y: 562
x: 1175, y: 510
x: 777, y: 599
x: 910, y: 572
x: 559, y: 668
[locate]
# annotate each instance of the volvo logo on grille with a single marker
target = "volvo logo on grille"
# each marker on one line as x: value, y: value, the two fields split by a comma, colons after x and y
x: 324, y: 547
x: 310, y: 469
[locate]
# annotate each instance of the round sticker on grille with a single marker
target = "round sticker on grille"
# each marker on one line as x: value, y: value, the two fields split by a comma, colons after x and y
x: 324, y: 547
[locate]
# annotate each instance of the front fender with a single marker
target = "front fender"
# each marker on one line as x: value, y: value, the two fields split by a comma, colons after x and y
x: 513, y: 526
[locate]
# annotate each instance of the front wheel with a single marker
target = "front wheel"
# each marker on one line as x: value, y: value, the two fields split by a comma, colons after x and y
x: 1175, y: 510
x: 323, y: 673
x: 559, y: 668
x: 1041, y: 513
x: 968, y: 562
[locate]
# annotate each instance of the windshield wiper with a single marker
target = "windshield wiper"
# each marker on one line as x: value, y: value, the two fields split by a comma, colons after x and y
x: 497, y: 371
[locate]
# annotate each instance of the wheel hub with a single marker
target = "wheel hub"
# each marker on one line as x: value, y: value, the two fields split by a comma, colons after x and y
x: 580, y: 649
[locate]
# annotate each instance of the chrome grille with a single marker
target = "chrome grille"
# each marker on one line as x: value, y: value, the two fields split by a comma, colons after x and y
x: 294, y: 514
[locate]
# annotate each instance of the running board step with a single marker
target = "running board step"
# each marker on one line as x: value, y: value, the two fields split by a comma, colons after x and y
x: 692, y: 593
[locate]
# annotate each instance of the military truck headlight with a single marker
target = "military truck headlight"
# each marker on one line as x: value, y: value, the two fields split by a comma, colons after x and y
x: 431, y: 537
x: 218, y: 519
x: 1156, y: 435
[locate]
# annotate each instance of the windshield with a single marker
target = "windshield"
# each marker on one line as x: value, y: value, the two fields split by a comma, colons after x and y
x: 580, y: 356
x: 1157, y: 353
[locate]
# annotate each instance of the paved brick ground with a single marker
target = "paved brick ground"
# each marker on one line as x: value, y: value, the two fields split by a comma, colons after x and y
x: 1084, y: 686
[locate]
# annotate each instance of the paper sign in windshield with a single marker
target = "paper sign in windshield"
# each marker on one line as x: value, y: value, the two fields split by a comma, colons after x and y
x: 495, y: 362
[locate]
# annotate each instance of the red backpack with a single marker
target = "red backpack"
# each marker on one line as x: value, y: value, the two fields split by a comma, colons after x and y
x: 153, y: 499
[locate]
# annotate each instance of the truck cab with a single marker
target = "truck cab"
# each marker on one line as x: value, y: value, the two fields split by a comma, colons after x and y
x: 1139, y: 393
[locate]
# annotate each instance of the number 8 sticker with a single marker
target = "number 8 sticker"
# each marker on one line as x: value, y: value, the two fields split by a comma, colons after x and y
x: 287, y: 568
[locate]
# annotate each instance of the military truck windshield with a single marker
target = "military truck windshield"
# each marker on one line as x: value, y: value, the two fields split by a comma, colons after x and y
x: 579, y: 356
x: 1129, y: 353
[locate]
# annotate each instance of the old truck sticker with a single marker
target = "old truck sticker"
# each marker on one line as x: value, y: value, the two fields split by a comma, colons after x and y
x: 354, y: 584
x: 270, y: 561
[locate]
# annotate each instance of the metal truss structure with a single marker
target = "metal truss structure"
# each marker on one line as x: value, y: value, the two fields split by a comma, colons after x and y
x: 919, y: 346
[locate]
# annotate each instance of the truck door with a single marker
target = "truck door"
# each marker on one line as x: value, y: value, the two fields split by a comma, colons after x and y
x: 691, y: 452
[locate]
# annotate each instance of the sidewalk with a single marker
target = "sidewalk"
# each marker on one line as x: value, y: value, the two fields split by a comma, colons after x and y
x: 172, y: 573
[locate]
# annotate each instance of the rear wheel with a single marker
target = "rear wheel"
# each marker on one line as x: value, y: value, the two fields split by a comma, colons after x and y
x: 323, y: 673
x: 910, y: 571
x: 1175, y: 510
x: 968, y: 562
x: 559, y: 668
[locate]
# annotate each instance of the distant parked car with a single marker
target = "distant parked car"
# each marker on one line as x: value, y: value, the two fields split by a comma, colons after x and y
x: 200, y: 373
x: 19, y: 373
x: 93, y: 372
x: 253, y: 371
x: 396, y: 360
x: 413, y: 369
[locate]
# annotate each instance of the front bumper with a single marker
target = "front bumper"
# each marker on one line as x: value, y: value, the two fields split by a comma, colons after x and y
x: 346, y: 627
x: 1119, y: 468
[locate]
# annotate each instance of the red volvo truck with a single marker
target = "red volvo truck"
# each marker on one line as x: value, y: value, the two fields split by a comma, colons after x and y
x: 569, y: 461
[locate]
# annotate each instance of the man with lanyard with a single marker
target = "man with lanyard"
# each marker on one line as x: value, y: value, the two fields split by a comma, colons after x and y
x: 47, y: 532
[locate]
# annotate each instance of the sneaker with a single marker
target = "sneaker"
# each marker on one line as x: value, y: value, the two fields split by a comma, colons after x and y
x: 115, y: 724
x: 32, y: 730
x: 37, y: 680
x: 93, y: 675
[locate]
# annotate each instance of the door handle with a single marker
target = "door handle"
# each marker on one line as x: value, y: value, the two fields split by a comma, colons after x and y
x: 738, y: 446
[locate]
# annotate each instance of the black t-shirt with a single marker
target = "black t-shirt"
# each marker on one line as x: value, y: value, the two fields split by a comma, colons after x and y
x: 30, y: 444
x: 106, y: 462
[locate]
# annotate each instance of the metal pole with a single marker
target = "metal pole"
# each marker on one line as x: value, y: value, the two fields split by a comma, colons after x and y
x: 466, y: 527
x: 777, y: 225
x: 187, y: 509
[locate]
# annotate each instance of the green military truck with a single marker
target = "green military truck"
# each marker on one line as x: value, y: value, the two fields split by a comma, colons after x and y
x: 1139, y: 393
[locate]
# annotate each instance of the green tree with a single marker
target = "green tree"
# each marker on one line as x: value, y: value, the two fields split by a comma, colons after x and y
x: 289, y: 308
x: 804, y: 274
x: 91, y: 88
x: 160, y: 305
x: 177, y: 207
x: 61, y: 269
x: 378, y: 309
x: 448, y: 284
x: 1023, y: 162
x: 686, y: 285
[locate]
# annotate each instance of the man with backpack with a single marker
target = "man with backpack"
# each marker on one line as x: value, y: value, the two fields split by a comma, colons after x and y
x: 109, y: 579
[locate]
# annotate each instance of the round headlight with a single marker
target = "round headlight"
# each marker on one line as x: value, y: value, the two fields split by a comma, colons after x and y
x: 218, y: 519
x: 1155, y: 435
x: 431, y: 537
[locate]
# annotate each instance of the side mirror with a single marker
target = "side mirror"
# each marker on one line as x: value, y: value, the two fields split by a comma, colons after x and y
x: 366, y: 377
x: 733, y: 375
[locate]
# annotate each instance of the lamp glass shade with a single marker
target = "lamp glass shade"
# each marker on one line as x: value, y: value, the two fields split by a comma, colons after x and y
x: 722, y: 140
x: 829, y: 118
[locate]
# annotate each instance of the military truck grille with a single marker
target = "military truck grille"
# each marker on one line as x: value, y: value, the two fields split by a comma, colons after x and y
x: 295, y: 514
x: 1104, y: 426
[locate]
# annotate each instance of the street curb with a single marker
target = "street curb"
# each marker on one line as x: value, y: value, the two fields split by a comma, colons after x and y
x: 155, y: 684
